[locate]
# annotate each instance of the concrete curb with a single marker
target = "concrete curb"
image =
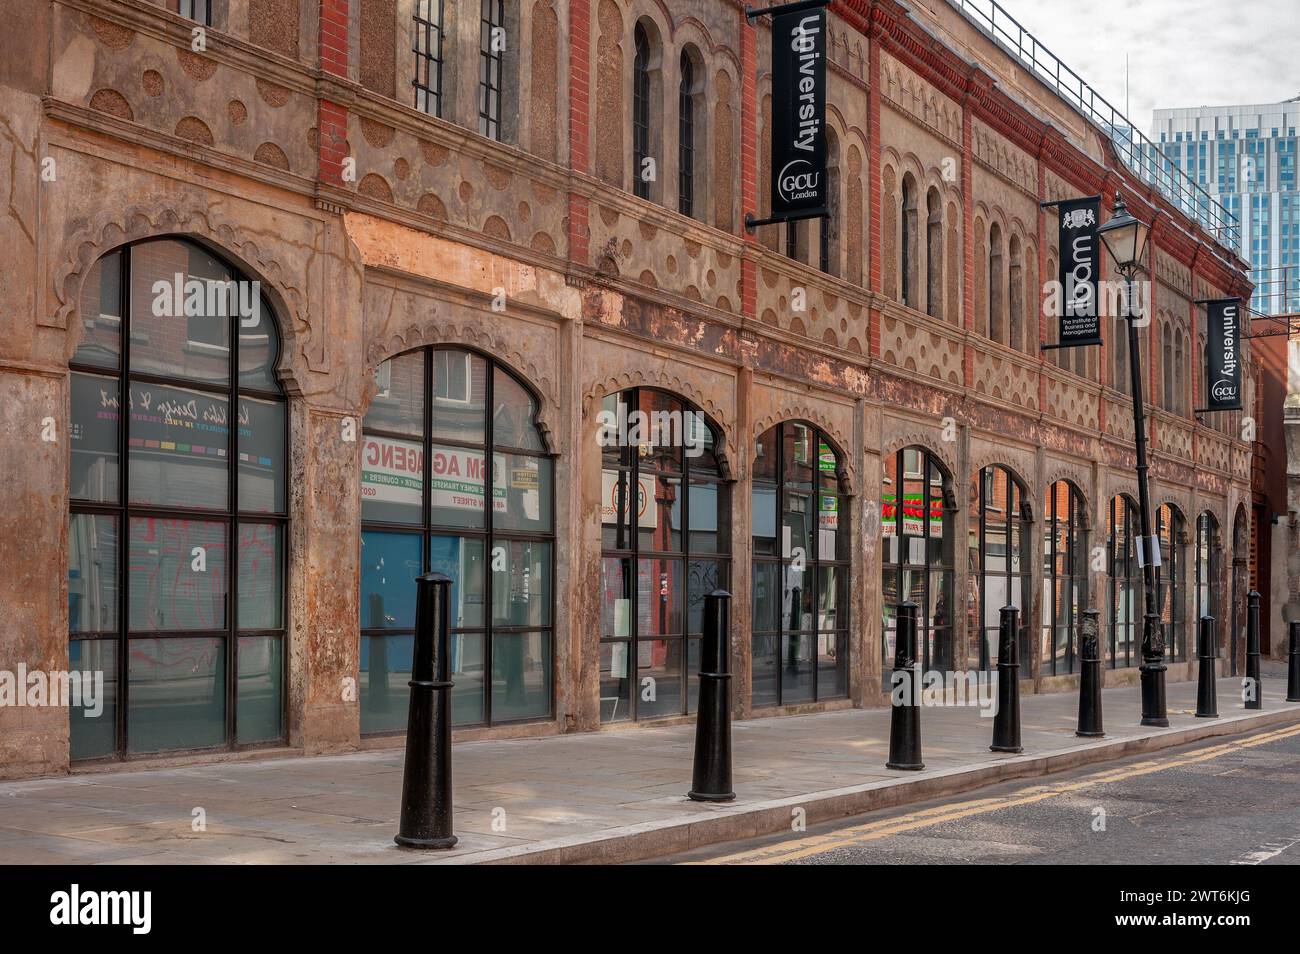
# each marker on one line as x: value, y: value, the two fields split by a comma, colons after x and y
x: 736, y: 822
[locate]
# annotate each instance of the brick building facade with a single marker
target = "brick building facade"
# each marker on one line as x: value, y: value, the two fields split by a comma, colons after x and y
x: 396, y: 181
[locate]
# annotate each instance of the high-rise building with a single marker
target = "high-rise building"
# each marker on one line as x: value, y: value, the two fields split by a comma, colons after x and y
x: 1245, y: 157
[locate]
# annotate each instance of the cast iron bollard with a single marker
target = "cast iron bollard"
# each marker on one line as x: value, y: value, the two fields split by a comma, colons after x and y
x: 1090, y: 676
x: 905, y: 719
x: 711, y: 779
x: 426, y: 773
x: 1293, y: 669
x: 1006, y: 723
x: 1254, y: 689
x: 1207, y: 696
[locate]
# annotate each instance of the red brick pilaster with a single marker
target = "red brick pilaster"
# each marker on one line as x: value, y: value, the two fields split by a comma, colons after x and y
x: 968, y: 242
x: 334, y: 37
x: 1037, y: 293
x: 331, y: 118
x: 748, y: 159
x: 579, y: 122
x: 873, y: 186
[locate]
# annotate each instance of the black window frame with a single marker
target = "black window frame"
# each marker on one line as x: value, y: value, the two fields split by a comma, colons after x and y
x: 491, y: 77
x: 686, y: 97
x: 1171, y: 579
x: 1018, y: 514
x: 1122, y: 569
x: 1075, y: 577
x: 641, y: 118
x: 429, y: 58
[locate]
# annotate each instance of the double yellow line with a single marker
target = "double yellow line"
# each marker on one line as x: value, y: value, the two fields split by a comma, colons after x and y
x: 874, y: 831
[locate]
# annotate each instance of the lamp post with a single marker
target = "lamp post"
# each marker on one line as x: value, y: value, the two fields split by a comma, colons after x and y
x: 1126, y: 239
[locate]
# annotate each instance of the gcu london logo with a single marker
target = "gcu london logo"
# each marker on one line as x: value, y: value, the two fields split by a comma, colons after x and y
x: 794, y: 184
x: 1224, y: 391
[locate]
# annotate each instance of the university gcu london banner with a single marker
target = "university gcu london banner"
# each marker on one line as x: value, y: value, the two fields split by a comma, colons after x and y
x: 1080, y: 264
x: 798, y: 113
x: 1223, y: 355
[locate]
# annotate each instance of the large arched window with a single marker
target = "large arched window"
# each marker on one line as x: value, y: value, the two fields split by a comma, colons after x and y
x: 492, y: 48
x: 1123, y: 530
x: 829, y: 224
x: 1016, y: 295
x: 425, y: 487
x: 1065, y: 577
x: 1000, y: 558
x: 918, y: 553
x: 801, y: 568
x: 665, y: 536
x: 190, y: 638
x: 997, y: 287
x: 1167, y: 367
x: 1171, y: 579
x: 429, y: 60
x: 1209, y: 556
x: 644, y: 114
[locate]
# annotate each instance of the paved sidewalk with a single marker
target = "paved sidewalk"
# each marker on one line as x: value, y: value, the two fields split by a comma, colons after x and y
x: 601, y: 796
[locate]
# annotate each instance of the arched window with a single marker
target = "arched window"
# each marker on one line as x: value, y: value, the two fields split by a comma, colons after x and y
x: 802, y: 549
x: 1209, y: 556
x: 997, y: 286
x: 644, y: 115
x: 491, y: 82
x: 796, y: 240
x: 918, y: 555
x: 1167, y: 367
x: 665, y: 536
x: 1180, y: 375
x: 1171, y: 579
x: 1065, y: 577
x: 934, y: 254
x: 176, y: 572
x: 1123, y: 530
x: 425, y: 486
x: 1016, y: 323
x: 428, y: 21
x: 1000, y: 558
x: 829, y: 224
x: 909, y: 244
x: 690, y: 123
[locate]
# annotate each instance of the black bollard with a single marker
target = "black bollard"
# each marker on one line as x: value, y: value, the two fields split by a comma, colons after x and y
x: 1253, y: 690
x: 1207, y: 696
x: 1090, y: 676
x: 905, y: 719
x: 1006, y: 723
x: 711, y: 779
x: 426, y: 773
x: 1293, y: 669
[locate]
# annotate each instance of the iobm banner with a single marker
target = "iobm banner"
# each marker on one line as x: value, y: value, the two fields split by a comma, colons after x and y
x: 1223, y: 355
x: 799, y: 187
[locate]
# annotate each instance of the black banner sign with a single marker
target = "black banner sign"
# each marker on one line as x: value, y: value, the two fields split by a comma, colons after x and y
x: 798, y: 114
x: 1078, y: 272
x: 1223, y: 355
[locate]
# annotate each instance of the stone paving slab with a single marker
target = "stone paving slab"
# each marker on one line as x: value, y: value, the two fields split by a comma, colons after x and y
x: 609, y: 796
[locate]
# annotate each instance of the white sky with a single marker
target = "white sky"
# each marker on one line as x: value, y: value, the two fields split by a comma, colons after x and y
x: 1181, y: 52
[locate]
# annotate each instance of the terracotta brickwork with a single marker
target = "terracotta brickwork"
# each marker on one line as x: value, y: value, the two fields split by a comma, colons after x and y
x: 291, y: 146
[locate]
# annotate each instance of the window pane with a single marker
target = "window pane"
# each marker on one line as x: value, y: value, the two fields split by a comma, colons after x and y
x: 797, y: 668
x: 261, y: 587
x: 456, y: 480
x: 93, y: 724
x: 659, y: 678
x: 512, y: 414
x: 392, y: 479
x: 710, y: 531
x: 764, y: 672
x: 702, y: 578
x: 798, y: 527
x: 259, y: 347
x: 179, y: 444
x: 798, y: 450
x: 101, y: 314
x: 659, y: 597
x: 616, y: 597
x: 261, y: 455
x: 660, y: 425
x: 657, y: 529
x: 767, y: 596
x: 797, y: 600
x: 459, y: 391
x: 181, y: 300
x: 521, y: 590
x: 92, y: 574
x: 178, y: 575
x: 521, y: 493
x: 390, y: 562
x: 385, y: 672
x: 258, y: 706
x: 467, y: 669
x: 763, y: 516
x: 832, y: 608
x: 521, y: 676
x: 399, y: 404
x: 618, y: 507
x: 832, y: 665
x: 615, y: 686
x: 461, y: 558
x: 94, y: 466
x: 827, y: 467
x: 178, y: 693
x: 831, y: 543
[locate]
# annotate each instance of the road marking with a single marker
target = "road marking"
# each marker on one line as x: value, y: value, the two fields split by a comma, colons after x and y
x: 1029, y: 795
x: 1270, y: 850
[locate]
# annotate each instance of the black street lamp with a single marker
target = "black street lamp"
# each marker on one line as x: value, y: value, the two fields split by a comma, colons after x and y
x: 1126, y: 239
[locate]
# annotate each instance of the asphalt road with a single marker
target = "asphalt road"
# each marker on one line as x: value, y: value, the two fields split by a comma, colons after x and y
x: 1234, y: 801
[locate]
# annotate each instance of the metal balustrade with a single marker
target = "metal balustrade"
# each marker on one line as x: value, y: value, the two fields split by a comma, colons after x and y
x: 1139, y: 153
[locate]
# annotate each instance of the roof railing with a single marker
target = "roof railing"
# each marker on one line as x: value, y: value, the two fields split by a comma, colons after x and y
x: 1138, y: 152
